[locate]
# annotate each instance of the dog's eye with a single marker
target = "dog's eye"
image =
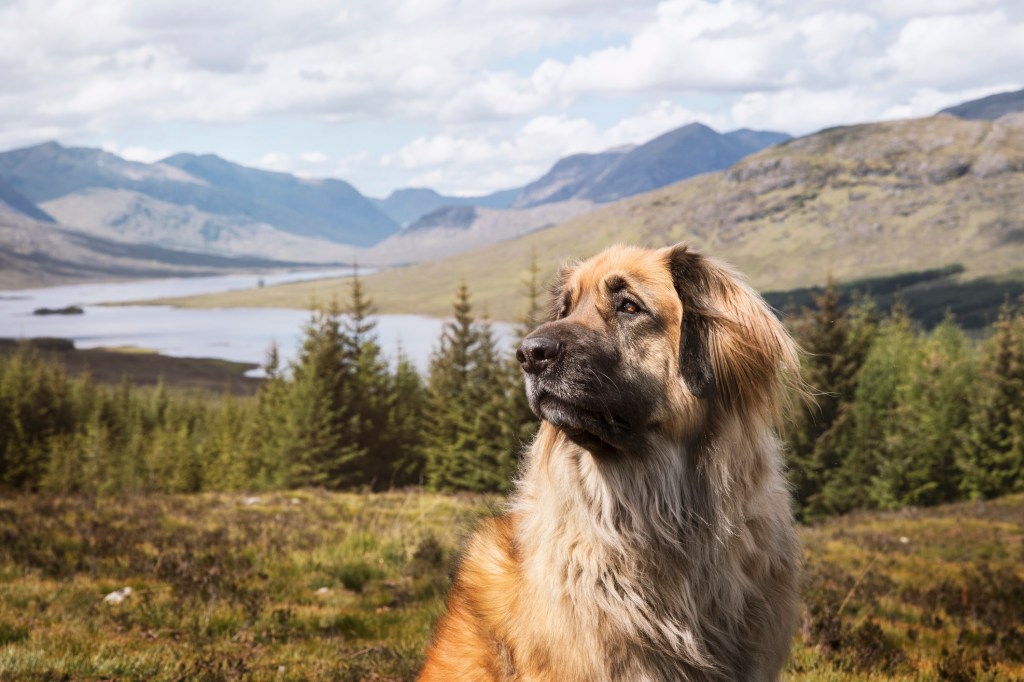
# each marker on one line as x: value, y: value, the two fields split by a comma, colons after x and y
x: 630, y: 307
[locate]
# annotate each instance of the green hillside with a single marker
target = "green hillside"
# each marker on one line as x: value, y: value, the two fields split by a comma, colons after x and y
x: 857, y: 202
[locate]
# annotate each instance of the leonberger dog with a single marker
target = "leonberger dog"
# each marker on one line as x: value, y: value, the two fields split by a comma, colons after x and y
x: 650, y: 535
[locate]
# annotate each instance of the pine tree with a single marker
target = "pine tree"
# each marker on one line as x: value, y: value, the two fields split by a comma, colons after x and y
x: 862, y: 443
x: 522, y: 420
x: 367, y: 396
x: 497, y: 445
x: 269, y: 429
x: 993, y: 458
x: 406, y: 424
x: 927, y: 426
x: 450, y: 406
x: 835, y: 344
x: 316, y: 447
x: 34, y: 407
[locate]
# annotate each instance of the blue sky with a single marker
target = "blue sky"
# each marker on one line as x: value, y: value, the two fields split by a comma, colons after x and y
x: 472, y: 96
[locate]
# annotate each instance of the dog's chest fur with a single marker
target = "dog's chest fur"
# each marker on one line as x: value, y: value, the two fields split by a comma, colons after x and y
x: 644, y: 584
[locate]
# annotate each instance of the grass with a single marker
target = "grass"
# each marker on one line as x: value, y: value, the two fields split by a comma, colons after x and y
x: 309, y: 585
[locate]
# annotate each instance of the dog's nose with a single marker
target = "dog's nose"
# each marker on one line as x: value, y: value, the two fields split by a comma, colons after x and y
x: 537, y: 352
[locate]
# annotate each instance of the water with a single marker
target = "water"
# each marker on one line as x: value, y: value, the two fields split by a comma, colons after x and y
x: 239, y: 334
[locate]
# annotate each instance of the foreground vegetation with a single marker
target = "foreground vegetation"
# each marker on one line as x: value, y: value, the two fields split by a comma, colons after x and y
x: 273, y: 577
x: 311, y: 585
x: 901, y: 416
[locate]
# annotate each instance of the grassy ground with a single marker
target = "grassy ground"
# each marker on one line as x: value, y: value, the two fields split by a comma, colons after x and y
x: 228, y: 587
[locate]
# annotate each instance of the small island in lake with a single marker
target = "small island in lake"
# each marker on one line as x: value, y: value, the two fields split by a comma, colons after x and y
x: 68, y: 310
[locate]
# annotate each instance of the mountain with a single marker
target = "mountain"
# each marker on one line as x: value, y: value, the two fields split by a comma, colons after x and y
x: 568, y: 178
x: 618, y: 173
x: 455, y: 229
x: 327, y: 210
x: 989, y: 108
x: 132, y: 217
x: 574, y: 185
x: 14, y: 202
x: 604, y: 176
x: 40, y: 253
x: 678, y: 154
x: 406, y: 206
x: 854, y: 202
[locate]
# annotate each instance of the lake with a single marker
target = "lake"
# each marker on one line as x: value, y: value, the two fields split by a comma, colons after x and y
x: 240, y: 334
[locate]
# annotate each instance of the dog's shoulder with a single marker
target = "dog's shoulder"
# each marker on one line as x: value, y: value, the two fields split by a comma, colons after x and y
x: 469, y: 639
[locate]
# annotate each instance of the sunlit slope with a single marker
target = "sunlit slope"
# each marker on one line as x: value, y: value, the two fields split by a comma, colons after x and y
x: 853, y: 202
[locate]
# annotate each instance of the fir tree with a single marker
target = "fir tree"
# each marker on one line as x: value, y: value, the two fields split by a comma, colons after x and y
x: 367, y: 397
x: 316, y: 446
x: 925, y: 434
x: 993, y: 458
x: 861, y: 446
x: 522, y: 420
x: 406, y: 423
x: 835, y: 344
x: 495, y: 457
x: 451, y: 437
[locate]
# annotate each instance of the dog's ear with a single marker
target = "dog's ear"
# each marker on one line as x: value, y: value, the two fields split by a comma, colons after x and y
x: 559, y: 301
x: 733, y: 349
x: 690, y: 280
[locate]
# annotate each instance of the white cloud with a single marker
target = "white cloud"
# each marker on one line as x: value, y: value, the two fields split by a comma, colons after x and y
x: 276, y: 161
x: 949, y: 51
x: 313, y: 157
x: 499, y: 88
x: 136, y: 153
x: 653, y: 121
x: 802, y: 111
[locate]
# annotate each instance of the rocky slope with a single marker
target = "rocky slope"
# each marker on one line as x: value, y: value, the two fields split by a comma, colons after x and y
x: 35, y: 253
x: 853, y: 202
x: 196, y: 202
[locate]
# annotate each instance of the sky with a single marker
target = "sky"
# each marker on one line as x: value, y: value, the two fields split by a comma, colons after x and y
x: 472, y: 96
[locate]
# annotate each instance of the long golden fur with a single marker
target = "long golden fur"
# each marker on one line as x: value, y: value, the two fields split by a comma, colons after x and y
x: 650, y: 536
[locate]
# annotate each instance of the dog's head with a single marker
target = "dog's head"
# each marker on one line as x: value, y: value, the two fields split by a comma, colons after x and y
x: 644, y: 341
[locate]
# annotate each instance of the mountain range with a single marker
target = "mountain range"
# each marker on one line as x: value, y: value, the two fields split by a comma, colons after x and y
x: 406, y: 206
x: 201, y: 206
x: 855, y: 203
x: 207, y: 205
x: 575, y: 185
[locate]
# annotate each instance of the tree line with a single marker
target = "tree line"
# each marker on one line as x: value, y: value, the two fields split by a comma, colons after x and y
x: 339, y: 416
x: 900, y: 416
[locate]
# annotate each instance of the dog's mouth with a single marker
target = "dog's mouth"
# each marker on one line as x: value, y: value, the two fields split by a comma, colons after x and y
x: 587, y: 426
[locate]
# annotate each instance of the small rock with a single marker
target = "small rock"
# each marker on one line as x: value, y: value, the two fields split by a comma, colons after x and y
x: 323, y: 590
x: 118, y: 596
x: 904, y: 540
x: 250, y: 501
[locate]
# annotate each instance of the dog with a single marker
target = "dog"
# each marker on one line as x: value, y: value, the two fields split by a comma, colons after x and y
x: 650, y: 535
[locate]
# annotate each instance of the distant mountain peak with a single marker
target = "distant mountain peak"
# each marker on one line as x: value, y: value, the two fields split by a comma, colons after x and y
x: 680, y: 153
x: 989, y: 108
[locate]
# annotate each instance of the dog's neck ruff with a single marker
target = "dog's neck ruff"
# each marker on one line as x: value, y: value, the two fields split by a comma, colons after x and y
x: 637, y: 554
